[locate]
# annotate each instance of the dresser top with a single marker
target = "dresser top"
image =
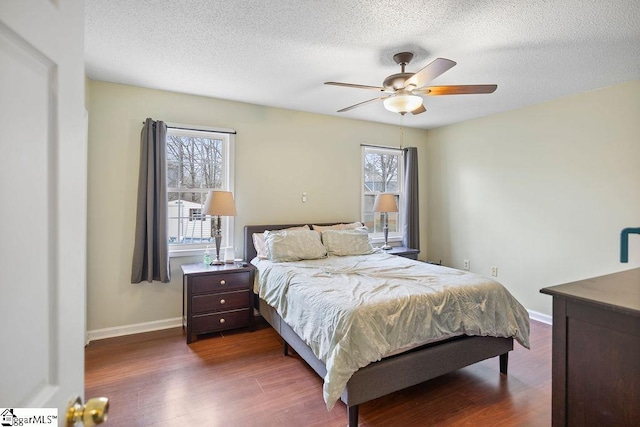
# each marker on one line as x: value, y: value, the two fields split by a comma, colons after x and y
x: 617, y: 291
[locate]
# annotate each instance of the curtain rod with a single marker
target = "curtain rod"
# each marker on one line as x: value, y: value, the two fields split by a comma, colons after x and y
x: 181, y: 126
x: 382, y: 146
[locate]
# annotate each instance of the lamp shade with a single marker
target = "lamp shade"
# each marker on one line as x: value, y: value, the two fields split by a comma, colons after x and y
x: 219, y: 203
x: 402, y: 103
x: 385, y: 202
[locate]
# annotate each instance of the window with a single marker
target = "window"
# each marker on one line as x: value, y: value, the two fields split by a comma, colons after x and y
x: 382, y: 172
x: 197, y: 161
x: 195, y: 214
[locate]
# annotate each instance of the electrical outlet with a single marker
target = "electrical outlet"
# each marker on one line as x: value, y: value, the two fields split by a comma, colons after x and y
x: 494, y: 271
x: 466, y: 264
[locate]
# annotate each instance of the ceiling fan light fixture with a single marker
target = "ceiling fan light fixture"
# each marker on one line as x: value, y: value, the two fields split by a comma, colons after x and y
x: 402, y: 103
x: 405, y: 89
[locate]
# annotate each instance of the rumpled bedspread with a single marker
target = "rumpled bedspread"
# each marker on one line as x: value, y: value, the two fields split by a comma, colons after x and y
x: 355, y: 310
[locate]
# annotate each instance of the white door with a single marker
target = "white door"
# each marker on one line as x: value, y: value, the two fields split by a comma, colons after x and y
x: 43, y: 199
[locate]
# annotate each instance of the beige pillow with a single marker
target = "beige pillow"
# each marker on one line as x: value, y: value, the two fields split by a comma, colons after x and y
x: 347, y: 242
x: 321, y: 228
x: 294, y: 245
x: 262, y: 251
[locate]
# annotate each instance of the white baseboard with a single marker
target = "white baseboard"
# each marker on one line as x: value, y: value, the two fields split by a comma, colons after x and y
x: 540, y: 317
x: 118, y: 331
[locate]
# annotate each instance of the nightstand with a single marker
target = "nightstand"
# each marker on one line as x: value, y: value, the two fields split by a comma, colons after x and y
x: 216, y: 298
x: 403, y: 252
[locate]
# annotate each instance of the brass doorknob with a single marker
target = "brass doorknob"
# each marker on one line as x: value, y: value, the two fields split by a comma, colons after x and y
x: 92, y: 413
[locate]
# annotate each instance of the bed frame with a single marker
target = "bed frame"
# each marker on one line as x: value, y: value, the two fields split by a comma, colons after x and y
x: 392, y: 373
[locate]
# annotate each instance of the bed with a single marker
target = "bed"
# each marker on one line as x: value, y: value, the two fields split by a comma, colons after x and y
x: 393, y: 370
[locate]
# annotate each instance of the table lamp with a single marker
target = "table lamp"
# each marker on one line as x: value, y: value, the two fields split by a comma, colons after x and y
x: 385, y: 203
x: 218, y: 204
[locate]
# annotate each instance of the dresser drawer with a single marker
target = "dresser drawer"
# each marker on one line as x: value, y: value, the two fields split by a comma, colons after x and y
x: 220, y: 282
x: 220, y: 321
x: 221, y: 301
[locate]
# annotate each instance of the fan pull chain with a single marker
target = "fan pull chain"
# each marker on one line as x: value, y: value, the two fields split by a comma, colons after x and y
x: 401, y: 131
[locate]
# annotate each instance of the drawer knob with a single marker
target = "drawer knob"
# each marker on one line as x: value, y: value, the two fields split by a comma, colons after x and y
x: 222, y: 320
x: 223, y: 282
x: 222, y: 301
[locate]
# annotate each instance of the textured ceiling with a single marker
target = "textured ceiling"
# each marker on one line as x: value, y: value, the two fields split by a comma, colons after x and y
x: 279, y: 53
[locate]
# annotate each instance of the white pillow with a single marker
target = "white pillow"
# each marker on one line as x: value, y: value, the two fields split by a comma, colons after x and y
x: 347, y: 242
x: 261, y: 245
x: 262, y: 251
x: 294, y: 245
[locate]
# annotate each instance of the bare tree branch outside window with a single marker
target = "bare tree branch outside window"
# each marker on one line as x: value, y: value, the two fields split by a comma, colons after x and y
x: 381, y: 172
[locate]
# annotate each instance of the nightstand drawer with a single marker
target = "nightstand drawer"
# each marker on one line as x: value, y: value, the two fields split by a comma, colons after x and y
x: 220, y: 282
x: 220, y: 301
x: 216, y: 298
x: 221, y: 321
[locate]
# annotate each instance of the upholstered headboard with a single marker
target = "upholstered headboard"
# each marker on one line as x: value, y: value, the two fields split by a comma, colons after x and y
x: 250, y: 250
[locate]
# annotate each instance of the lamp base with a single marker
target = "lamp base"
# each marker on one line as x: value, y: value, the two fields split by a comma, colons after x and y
x: 385, y: 231
x: 217, y: 236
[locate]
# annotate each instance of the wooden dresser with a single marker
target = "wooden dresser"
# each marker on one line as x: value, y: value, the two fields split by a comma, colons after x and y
x: 216, y: 298
x: 596, y: 351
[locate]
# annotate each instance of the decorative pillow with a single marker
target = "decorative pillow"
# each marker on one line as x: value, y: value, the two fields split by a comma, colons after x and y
x: 347, y: 242
x: 294, y: 245
x: 321, y: 228
x: 261, y: 245
x: 262, y: 251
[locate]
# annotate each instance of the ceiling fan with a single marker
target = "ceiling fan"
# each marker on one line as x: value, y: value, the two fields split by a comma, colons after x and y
x: 404, y: 89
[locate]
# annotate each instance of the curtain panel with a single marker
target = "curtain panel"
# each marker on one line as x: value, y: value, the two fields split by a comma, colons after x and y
x: 151, y: 248
x: 411, y: 207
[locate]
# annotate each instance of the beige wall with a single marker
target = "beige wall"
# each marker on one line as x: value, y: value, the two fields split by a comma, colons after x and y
x: 541, y: 192
x: 279, y: 154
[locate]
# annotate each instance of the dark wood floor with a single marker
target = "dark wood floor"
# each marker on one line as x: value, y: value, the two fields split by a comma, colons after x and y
x: 241, y: 378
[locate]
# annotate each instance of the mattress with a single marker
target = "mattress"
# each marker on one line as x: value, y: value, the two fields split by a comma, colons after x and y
x: 355, y: 310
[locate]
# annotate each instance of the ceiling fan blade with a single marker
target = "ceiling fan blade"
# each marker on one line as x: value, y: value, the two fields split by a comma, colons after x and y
x: 419, y: 110
x: 363, y: 103
x: 456, y: 90
x: 428, y: 73
x: 378, y: 88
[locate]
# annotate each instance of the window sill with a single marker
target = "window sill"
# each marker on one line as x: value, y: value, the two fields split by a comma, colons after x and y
x: 183, y: 253
x: 380, y: 239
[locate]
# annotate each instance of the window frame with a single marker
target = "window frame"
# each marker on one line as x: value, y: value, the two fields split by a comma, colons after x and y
x: 195, y: 214
x: 228, y: 155
x: 378, y: 237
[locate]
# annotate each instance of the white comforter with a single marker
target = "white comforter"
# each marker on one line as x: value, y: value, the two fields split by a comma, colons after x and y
x: 355, y: 310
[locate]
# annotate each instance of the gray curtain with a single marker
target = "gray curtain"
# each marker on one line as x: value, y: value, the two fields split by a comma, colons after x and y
x: 151, y: 249
x: 411, y: 211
